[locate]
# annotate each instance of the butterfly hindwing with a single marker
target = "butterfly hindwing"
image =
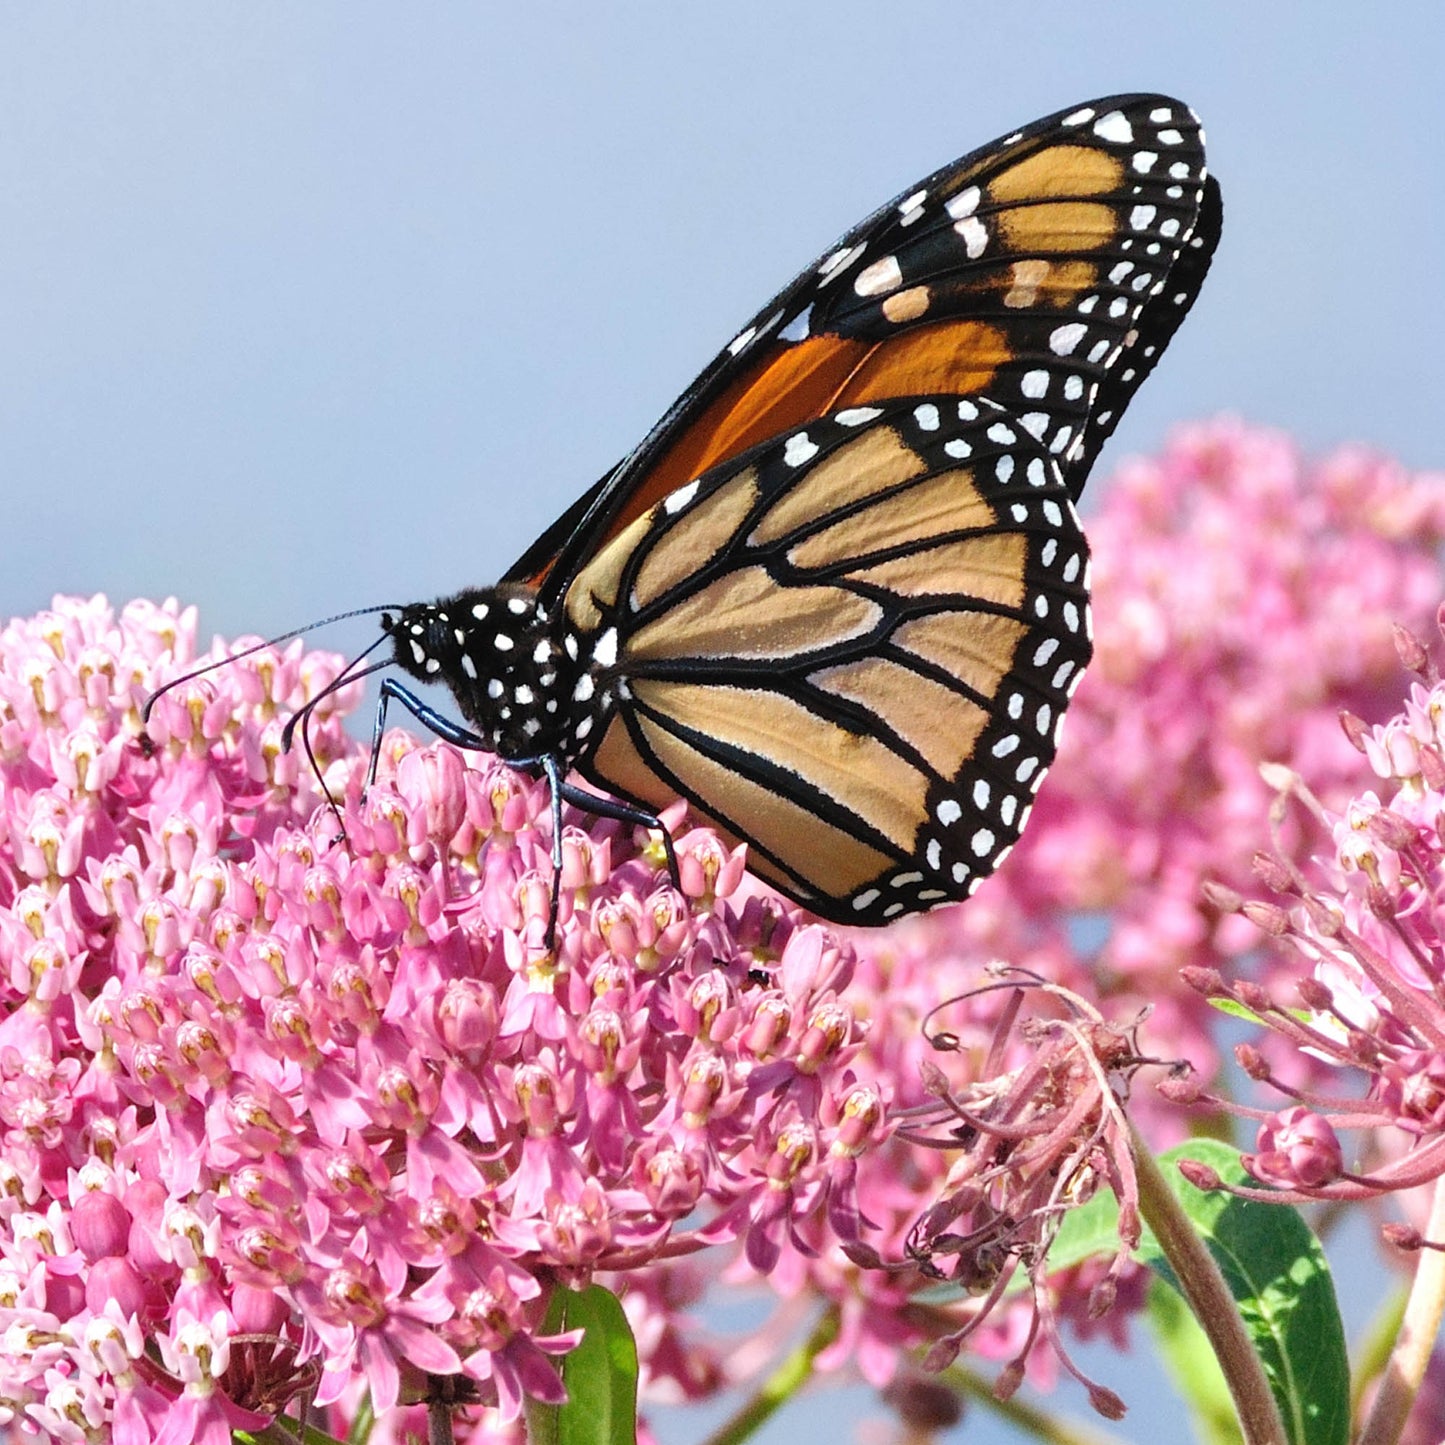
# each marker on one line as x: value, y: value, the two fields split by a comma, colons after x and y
x: 851, y: 647
x: 1042, y: 271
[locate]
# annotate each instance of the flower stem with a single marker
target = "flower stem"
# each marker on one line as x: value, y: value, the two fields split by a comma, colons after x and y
x: 1406, y: 1366
x: 1208, y: 1295
x: 779, y: 1387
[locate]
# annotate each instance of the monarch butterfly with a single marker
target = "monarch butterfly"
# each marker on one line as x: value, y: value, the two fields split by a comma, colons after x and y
x: 838, y: 597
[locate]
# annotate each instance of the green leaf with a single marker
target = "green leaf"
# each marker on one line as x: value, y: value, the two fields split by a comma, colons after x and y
x: 600, y: 1374
x: 1091, y: 1229
x: 1278, y: 1275
x: 1277, y: 1272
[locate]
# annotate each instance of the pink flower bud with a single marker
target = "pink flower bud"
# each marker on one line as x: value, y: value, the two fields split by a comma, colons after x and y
x: 1297, y: 1146
x: 258, y: 1311
x: 116, y: 1278
x: 99, y: 1225
x: 433, y: 779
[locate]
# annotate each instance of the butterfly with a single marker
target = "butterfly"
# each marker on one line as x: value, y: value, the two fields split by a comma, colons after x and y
x: 837, y: 599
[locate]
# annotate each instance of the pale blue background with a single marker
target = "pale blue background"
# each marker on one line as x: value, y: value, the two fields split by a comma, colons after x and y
x: 306, y: 306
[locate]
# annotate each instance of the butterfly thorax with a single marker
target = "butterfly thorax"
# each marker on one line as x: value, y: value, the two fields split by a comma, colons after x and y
x: 513, y: 669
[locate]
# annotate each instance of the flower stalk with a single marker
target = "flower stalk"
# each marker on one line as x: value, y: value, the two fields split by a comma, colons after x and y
x: 1209, y: 1298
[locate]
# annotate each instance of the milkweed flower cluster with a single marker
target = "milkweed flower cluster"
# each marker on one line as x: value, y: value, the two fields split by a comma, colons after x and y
x: 283, y: 1110
x: 1366, y: 925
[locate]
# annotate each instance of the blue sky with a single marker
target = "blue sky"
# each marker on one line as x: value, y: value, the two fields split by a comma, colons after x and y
x: 304, y: 307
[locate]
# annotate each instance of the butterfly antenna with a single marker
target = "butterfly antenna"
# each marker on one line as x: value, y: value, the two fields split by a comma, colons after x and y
x: 196, y: 672
x: 302, y: 716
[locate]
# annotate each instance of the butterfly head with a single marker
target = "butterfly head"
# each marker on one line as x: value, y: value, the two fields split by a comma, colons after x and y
x: 513, y: 676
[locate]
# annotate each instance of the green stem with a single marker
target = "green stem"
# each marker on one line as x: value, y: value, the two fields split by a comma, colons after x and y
x: 780, y: 1386
x: 1210, y: 1300
x: 1406, y: 1368
x: 362, y: 1422
x: 1029, y: 1418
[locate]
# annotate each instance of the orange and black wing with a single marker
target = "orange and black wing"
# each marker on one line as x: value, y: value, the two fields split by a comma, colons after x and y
x: 1045, y: 272
x: 851, y: 647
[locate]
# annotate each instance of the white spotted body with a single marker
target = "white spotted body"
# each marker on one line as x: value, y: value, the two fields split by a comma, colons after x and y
x: 520, y: 676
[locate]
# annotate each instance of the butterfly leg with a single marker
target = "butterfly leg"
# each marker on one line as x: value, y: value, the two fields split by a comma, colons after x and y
x: 622, y: 813
x: 448, y: 729
x: 553, y: 768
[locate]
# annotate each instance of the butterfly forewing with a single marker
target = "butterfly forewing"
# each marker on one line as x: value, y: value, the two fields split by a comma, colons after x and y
x: 851, y: 647
x: 1042, y: 272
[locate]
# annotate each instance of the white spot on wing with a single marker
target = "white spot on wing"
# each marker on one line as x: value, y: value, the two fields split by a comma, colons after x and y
x: 799, y: 449
x: 965, y: 203
x: 879, y: 278
x: 1063, y: 339
x: 674, y: 502
x: 1114, y: 127
x: 974, y: 234
x: 839, y: 262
